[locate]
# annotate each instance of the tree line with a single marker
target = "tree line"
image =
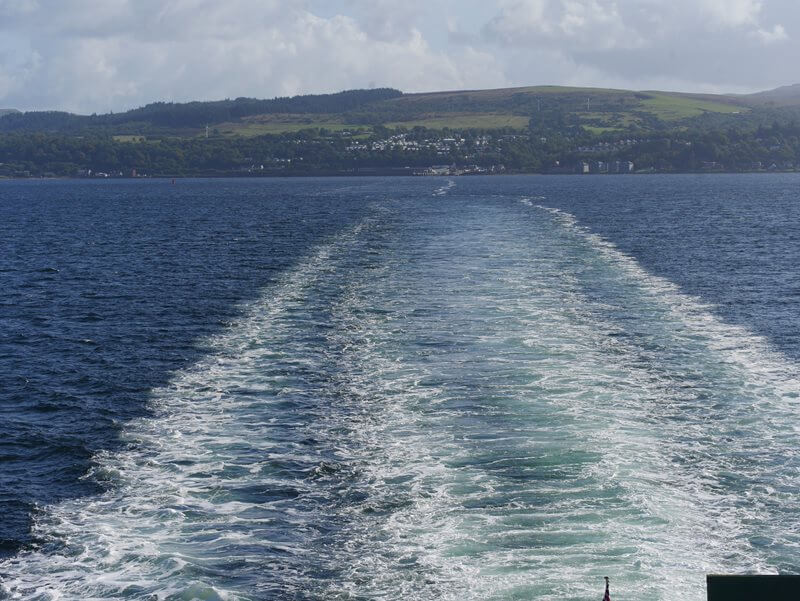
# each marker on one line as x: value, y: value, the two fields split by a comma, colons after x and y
x: 171, y: 115
x: 775, y: 146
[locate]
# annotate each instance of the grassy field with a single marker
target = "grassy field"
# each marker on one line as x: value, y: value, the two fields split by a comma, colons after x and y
x: 598, y: 130
x: 260, y: 125
x: 664, y: 107
x: 608, y: 109
x: 673, y: 108
x: 465, y: 121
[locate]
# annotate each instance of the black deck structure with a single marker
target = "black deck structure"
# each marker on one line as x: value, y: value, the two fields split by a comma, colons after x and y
x: 753, y: 588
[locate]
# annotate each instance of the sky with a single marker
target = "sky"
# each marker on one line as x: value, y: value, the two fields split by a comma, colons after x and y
x: 113, y: 55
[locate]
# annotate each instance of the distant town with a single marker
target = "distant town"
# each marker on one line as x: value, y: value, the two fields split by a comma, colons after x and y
x: 545, y: 130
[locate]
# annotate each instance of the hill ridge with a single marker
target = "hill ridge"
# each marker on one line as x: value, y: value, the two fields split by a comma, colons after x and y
x: 596, y: 110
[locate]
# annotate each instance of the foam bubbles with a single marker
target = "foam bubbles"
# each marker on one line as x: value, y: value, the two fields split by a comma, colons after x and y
x: 213, y: 486
x: 443, y: 190
x: 499, y: 406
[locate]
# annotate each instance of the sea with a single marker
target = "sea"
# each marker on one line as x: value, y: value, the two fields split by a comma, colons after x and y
x: 358, y: 389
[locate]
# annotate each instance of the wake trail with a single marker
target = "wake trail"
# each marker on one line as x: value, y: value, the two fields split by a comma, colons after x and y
x: 231, y: 474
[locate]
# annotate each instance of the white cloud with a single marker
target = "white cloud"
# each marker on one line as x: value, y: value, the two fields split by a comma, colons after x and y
x: 99, y: 55
x: 115, y: 54
x: 699, y: 44
x: 731, y: 13
x: 776, y: 34
x: 616, y: 23
x: 579, y: 23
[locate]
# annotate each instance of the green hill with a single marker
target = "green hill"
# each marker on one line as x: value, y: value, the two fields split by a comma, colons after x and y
x: 544, y: 129
x: 595, y: 109
x: 4, y: 112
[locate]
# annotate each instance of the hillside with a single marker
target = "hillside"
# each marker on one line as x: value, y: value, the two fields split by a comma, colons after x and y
x: 780, y: 97
x: 4, y: 112
x: 545, y: 129
x: 596, y: 109
x: 183, y: 118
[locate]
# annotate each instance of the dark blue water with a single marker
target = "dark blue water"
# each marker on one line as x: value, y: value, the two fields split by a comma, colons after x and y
x: 383, y: 388
x: 731, y: 240
x: 110, y: 287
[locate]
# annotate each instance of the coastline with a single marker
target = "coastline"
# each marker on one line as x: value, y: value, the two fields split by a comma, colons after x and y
x: 389, y: 172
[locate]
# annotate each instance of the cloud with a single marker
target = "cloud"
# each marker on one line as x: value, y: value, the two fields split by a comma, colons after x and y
x: 576, y: 23
x: 731, y: 13
x: 100, y: 55
x: 776, y: 34
x: 387, y: 20
x: 115, y: 54
x: 697, y: 44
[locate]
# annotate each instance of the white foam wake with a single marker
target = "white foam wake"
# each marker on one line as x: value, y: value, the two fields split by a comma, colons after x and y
x: 751, y: 353
x: 206, y: 487
x: 527, y: 437
x: 492, y: 408
x: 709, y: 443
x: 443, y: 190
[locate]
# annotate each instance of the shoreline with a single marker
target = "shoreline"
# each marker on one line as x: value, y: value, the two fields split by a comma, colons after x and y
x: 381, y: 173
